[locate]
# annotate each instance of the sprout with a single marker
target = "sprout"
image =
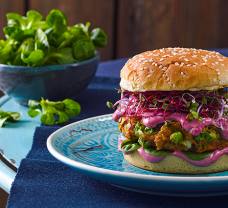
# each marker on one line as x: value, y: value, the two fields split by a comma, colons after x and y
x: 198, y: 104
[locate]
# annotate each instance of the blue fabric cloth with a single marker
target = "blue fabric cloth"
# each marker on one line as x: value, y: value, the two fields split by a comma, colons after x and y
x: 42, y: 181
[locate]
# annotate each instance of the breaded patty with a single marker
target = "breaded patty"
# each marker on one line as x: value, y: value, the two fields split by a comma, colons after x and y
x: 159, y: 136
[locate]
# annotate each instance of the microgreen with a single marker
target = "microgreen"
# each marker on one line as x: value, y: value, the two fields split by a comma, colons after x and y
x: 53, y: 112
x: 33, y: 40
x: 204, y: 100
x: 109, y: 104
x: 195, y: 104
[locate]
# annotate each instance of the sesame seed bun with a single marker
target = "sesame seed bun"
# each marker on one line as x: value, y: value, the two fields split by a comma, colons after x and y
x: 173, y: 164
x: 175, y: 69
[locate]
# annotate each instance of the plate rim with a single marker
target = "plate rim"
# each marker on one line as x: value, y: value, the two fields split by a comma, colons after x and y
x: 104, y: 171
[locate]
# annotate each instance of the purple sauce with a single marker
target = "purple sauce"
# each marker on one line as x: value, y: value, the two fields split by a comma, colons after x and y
x: 118, y: 114
x: 148, y: 157
x: 213, y: 157
x: 223, y: 123
x: 194, y: 127
x: 120, y: 140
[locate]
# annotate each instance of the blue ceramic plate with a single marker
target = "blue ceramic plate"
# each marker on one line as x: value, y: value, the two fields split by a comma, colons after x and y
x: 90, y: 147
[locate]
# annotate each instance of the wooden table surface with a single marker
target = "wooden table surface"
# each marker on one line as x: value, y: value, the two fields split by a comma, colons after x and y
x: 3, y: 198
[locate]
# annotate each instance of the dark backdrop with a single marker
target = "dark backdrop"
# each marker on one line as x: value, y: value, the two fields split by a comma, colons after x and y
x: 138, y: 25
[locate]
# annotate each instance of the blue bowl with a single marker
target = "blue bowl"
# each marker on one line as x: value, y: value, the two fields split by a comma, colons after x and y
x: 54, y: 82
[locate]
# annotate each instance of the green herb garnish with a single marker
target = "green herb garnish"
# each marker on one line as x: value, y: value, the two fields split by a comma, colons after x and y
x: 32, y: 40
x: 140, y: 130
x: 7, y: 116
x: 193, y: 111
x: 147, y: 146
x: 165, y: 106
x: 54, y: 112
x: 129, y: 145
x: 197, y: 156
x: 144, y: 143
x: 148, y: 130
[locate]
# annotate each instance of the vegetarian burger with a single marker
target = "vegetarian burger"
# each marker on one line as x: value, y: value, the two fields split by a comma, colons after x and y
x: 173, y: 111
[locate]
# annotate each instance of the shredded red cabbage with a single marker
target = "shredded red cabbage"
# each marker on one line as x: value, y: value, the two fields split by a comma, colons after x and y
x: 211, y: 104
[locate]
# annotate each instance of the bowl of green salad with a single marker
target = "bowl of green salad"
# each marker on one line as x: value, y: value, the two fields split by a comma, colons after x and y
x: 45, y: 57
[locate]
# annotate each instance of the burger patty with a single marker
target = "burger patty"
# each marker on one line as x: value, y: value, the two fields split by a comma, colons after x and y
x: 171, y: 136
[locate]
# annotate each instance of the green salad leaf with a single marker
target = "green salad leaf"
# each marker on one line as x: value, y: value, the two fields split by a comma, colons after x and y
x: 129, y: 145
x: 60, y: 56
x: 53, y: 113
x: 99, y: 37
x: 156, y: 153
x: 33, y: 40
x: 35, y: 58
x: 57, y: 21
x: 197, y: 156
x: 7, y: 116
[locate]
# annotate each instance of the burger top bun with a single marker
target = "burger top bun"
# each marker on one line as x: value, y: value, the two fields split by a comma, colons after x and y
x: 175, y: 69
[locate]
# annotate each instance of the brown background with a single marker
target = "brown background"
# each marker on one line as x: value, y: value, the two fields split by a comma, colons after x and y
x: 138, y: 25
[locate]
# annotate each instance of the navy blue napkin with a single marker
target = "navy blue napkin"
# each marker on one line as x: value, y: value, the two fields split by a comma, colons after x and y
x: 42, y: 181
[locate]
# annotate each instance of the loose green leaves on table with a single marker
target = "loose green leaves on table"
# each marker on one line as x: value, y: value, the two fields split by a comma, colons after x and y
x: 52, y: 113
x: 34, y: 41
x: 7, y: 116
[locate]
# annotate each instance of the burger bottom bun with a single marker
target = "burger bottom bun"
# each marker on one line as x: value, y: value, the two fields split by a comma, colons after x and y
x: 173, y: 164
